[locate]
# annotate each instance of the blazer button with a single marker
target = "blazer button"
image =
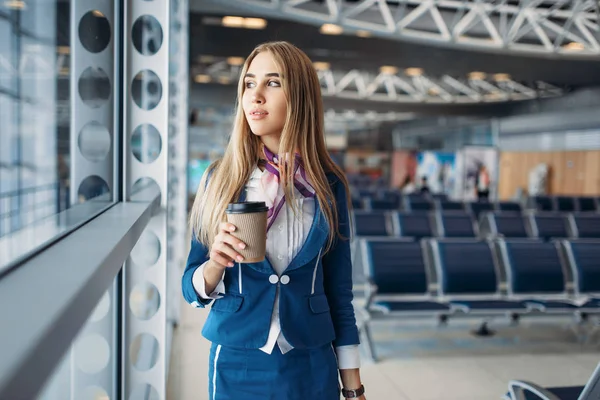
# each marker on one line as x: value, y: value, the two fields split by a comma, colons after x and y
x: 285, y: 279
x: 273, y: 279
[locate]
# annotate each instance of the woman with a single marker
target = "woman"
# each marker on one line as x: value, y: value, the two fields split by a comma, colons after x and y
x: 482, y: 183
x: 283, y: 327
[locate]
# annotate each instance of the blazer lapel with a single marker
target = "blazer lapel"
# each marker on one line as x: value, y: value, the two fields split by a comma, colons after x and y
x: 317, y: 235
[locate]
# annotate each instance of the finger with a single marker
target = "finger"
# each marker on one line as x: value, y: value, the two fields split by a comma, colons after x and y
x: 227, y: 227
x: 221, y: 259
x: 223, y: 247
x: 233, y: 241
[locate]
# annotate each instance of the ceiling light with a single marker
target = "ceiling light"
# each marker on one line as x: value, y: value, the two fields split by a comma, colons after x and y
x: 235, y: 61
x: 224, y: 80
x: 202, y: 78
x: 331, y: 29
x: 241, y: 22
x: 363, y: 34
x: 233, y: 22
x: 15, y: 4
x: 206, y: 59
x: 63, y: 50
x: 575, y: 46
x: 255, y: 23
x: 98, y: 14
x: 321, y: 65
x: 413, y: 71
x: 388, y: 70
x: 501, y: 77
x: 477, y: 76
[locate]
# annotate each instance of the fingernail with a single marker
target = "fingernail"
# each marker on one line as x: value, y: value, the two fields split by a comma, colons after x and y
x: 242, y: 246
x: 240, y: 258
x: 232, y: 228
x: 230, y: 264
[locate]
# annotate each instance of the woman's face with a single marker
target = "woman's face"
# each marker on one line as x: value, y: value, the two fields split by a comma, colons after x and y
x: 264, y: 102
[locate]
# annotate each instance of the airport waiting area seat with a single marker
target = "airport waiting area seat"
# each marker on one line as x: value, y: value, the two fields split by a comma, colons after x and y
x: 471, y: 283
x: 477, y: 208
x: 455, y: 225
x: 412, y: 225
x: 585, y: 226
x: 536, y: 275
x: 523, y: 390
x: 503, y: 224
x: 398, y: 283
x: 548, y: 226
x: 370, y: 223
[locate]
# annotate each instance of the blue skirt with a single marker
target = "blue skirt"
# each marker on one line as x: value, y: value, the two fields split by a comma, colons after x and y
x: 251, y: 374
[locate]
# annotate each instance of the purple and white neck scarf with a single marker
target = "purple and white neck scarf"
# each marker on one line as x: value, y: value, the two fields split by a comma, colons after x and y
x: 270, y: 182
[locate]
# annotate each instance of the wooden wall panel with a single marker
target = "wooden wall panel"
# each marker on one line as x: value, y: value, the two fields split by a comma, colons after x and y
x: 571, y: 172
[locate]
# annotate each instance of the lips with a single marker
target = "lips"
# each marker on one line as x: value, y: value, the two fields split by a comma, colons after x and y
x: 258, y: 114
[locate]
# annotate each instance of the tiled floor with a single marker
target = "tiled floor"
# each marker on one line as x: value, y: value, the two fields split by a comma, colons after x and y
x: 420, y: 362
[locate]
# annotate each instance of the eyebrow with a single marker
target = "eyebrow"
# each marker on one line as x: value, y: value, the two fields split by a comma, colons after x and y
x: 269, y: 75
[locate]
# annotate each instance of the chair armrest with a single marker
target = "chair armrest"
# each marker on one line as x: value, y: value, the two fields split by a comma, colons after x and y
x: 517, y: 390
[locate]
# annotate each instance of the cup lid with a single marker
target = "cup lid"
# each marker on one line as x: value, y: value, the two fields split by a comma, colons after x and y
x: 246, y: 207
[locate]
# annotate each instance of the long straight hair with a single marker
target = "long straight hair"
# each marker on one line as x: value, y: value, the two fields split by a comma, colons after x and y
x: 303, y: 131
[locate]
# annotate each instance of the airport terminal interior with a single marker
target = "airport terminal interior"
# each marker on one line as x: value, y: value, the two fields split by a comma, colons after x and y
x: 468, y: 132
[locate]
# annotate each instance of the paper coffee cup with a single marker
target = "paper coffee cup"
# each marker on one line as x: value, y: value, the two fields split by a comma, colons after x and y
x: 250, y: 219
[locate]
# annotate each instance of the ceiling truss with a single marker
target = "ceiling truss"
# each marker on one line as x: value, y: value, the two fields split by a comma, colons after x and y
x: 382, y: 87
x: 566, y: 27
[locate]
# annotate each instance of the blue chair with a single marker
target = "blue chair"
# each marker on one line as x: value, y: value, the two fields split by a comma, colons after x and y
x: 444, y: 205
x: 398, y: 283
x: 542, y: 203
x: 503, y: 224
x: 476, y: 208
x: 411, y: 224
x: 565, y: 204
x: 585, y: 226
x: 468, y: 278
x: 536, y: 275
x: 417, y: 203
x: 357, y: 204
x: 439, y: 196
x: 523, y: 390
x: 583, y: 259
x: 509, y: 206
x: 390, y: 194
x: 586, y: 204
x: 455, y: 225
x: 548, y: 226
x: 382, y: 204
x: 370, y: 223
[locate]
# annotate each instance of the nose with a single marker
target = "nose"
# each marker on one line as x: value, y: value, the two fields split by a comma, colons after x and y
x: 257, y: 97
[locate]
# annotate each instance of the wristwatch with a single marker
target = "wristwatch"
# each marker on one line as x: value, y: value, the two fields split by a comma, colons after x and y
x: 353, y: 393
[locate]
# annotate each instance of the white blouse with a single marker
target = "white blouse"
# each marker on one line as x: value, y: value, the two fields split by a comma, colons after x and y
x: 288, y: 231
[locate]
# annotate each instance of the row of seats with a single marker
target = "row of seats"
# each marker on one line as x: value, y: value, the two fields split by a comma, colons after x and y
x: 394, y: 200
x: 445, y: 278
x: 422, y: 204
x: 463, y: 224
x: 564, y: 203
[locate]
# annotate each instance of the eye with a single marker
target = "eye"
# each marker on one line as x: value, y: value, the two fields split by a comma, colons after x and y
x: 249, y: 84
x: 274, y: 83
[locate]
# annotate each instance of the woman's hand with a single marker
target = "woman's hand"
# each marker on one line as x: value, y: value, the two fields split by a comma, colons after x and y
x: 222, y: 253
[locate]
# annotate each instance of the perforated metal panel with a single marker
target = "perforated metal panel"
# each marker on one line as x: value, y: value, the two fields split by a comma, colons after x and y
x: 93, y: 356
x: 145, y: 146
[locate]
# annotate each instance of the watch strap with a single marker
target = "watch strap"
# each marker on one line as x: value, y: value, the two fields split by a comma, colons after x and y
x: 353, y: 393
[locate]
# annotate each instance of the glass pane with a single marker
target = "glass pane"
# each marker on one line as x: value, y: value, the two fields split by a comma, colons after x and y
x: 56, y: 152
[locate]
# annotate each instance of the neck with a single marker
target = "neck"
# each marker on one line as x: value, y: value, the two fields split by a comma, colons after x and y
x: 272, y: 143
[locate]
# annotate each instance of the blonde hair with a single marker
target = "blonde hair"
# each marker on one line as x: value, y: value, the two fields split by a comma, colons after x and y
x: 303, y: 130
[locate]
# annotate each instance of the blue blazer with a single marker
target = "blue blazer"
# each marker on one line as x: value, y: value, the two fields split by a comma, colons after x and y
x: 308, y: 319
